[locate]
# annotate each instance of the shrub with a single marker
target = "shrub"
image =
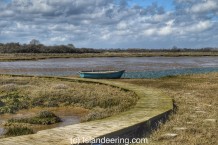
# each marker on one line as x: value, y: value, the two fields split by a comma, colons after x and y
x: 16, y: 131
x: 12, y: 102
x: 46, y: 114
x: 44, y: 118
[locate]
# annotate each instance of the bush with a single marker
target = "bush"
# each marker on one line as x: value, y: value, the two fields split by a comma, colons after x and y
x: 16, y: 131
x: 46, y: 114
x: 12, y: 102
x: 8, y: 109
x: 43, y: 118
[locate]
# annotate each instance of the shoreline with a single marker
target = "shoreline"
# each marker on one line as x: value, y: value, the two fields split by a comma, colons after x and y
x: 5, y: 57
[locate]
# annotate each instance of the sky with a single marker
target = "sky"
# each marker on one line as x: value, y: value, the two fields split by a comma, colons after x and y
x: 111, y: 23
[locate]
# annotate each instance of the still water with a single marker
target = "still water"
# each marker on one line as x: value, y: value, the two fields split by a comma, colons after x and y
x: 71, y: 66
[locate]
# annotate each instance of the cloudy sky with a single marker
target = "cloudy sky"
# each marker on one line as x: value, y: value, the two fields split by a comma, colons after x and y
x: 111, y: 23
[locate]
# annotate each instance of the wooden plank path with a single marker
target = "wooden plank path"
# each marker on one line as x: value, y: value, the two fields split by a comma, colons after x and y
x: 152, y: 103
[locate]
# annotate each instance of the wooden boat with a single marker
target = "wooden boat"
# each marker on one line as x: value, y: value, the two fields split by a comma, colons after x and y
x: 106, y: 74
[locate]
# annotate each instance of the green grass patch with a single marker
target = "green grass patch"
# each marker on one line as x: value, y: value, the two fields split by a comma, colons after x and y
x: 43, y: 118
x: 12, y: 102
x: 16, y: 131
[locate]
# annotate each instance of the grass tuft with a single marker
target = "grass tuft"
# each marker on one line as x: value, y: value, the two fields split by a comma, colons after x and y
x: 43, y: 118
x: 16, y: 131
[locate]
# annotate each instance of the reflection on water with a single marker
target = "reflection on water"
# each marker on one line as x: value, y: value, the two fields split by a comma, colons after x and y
x: 70, y: 66
x: 1, y: 131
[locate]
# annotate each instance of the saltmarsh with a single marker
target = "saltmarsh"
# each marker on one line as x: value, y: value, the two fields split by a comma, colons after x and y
x: 37, y: 56
x: 195, y: 119
x: 94, y: 101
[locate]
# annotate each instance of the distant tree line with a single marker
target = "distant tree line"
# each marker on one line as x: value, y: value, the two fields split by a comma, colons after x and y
x: 40, y: 48
x: 36, y: 47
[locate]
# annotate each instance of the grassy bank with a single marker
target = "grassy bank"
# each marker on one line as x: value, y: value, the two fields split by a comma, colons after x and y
x: 26, y: 92
x: 195, y: 121
x: 36, y: 56
x: 22, y: 126
x: 33, y: 94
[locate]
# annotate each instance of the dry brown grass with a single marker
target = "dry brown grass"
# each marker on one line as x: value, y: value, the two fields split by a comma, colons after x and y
x: 31, y: 95
x: 195, y: 121
x: 35, y: 56
x: 98, y: 100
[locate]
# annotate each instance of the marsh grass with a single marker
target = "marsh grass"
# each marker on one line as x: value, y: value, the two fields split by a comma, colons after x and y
x: 16, y: 131
x: 17, y: 93
x: 43, y: 118
x: 36, y: 56
x: 12, y: 102
x: 90, y: 101
x: 195, y: 121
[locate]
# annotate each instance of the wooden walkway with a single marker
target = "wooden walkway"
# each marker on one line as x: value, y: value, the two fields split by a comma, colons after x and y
x: 152, y: 103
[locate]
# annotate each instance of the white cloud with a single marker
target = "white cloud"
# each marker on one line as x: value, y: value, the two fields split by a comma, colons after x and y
x: 6, y: 13
x: 162, y: 31
x: 205, y: 6
x: 150, y: 32
x: 58, y: 39
x: 26, y: 6
x: 160, y: 17
x: 165, y: 30
x: 122, y: 25
x: 106, y: 36
x: 170, y: 22
x: 199, y: 27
